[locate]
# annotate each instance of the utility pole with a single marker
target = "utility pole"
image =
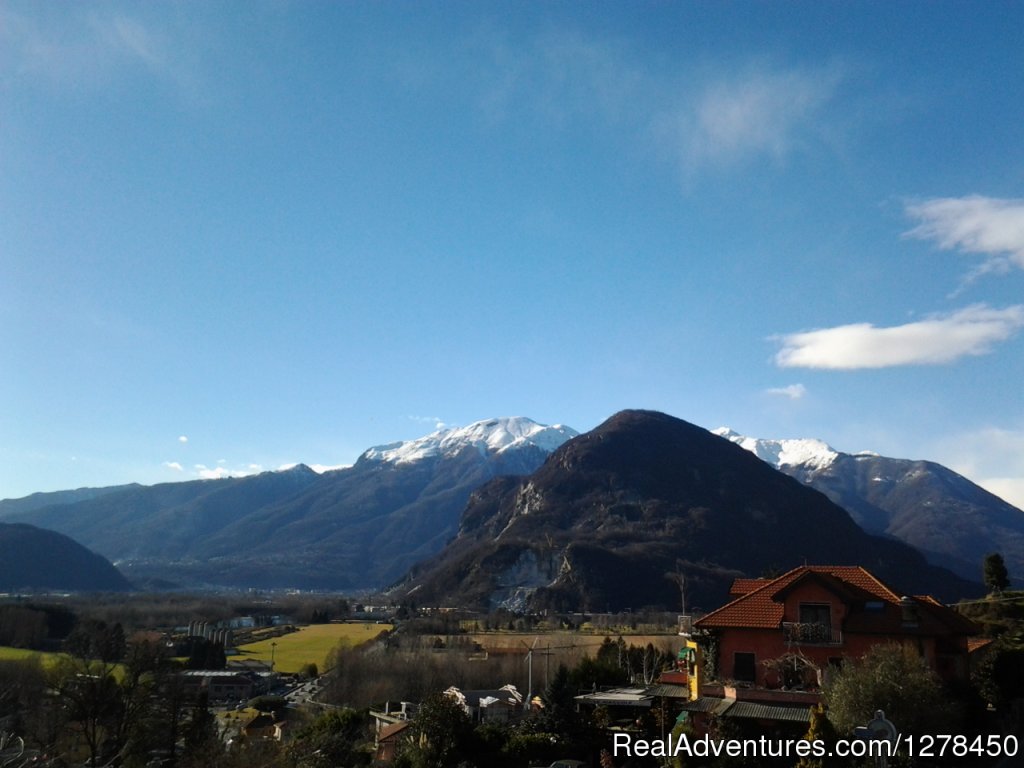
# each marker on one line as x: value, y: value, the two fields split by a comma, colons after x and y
x: 529, y: 683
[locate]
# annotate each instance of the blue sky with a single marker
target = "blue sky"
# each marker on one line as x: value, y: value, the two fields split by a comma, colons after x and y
x: 235, y: 236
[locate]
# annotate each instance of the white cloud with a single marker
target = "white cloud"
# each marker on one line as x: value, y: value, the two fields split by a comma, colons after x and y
x: 182, y: 439
x: 174, y: 465
x: 763, y: 112
x: 793, y: 391
x: 988, y: 226
x: 1009, y: 489
x: 935, y: 340
x: 217, y: 473
x: 435, y: 420
x: 992, y: 457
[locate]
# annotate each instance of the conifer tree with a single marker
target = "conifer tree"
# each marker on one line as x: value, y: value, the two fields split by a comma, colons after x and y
x: 820, y: 730
x: 996, y: 576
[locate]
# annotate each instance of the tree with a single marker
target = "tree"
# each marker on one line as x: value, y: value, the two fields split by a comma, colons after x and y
x: 820, y: 730
x: 996, y: 576
x: 268, y: 703
x: 94, y: 639
x: 896, y: 680
x: 1000, y: 676
x: 559, y: 714
x: 90, y: 701
x: 22, y: 627
x: 335, y: 738
x: 202, y: 739
x: 442, y: 734
x: 678, y: 577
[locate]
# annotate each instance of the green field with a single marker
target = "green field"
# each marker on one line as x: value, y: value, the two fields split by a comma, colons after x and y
x: 310, y: 645
x: 20, y: 654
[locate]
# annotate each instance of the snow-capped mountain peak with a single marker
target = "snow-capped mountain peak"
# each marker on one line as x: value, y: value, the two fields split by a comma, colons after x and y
x: 809, y: 453
x: 490, y: 436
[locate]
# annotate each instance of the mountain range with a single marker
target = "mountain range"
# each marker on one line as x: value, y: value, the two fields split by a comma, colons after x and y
x: 358, y: 527
x: 952, y: 521
x: 618, y: 516
x: 366, y: 525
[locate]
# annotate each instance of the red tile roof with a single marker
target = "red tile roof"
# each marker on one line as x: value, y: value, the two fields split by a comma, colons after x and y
x: 762, y: 607
x: 743, y: 586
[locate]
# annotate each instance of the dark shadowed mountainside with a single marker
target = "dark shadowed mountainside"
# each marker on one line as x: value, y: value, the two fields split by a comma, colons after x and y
x: 613, y: 514
x: 35, y: 559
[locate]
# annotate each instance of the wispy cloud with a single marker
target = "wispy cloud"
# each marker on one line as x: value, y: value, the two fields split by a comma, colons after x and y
x: 128, y: 37
x: 695, y: 116
x: 768, y: 112
x: 86, y: 46
x: 932, y: 341
x: 793, y: 391
x: 991, y: 227
x: 174, y: 465
x: 562, y: 77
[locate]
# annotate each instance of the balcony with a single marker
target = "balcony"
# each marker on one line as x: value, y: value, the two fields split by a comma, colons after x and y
x: 805, y: 633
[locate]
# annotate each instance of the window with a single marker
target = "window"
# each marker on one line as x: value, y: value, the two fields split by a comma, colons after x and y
x: 816, y: 613
x: 743, y: 667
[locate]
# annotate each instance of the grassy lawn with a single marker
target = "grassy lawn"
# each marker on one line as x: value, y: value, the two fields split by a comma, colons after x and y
x: 310, y: 645
x: 20, y: 654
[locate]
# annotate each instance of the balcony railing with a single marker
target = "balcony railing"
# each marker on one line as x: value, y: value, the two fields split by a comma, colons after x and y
x: 811, y: 633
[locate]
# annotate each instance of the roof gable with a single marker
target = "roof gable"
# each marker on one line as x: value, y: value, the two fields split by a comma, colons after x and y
x: 763, y: 606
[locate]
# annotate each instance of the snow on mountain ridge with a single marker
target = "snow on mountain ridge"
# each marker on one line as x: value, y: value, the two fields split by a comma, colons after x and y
x: 492, y: 436
x: 810, y: 453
